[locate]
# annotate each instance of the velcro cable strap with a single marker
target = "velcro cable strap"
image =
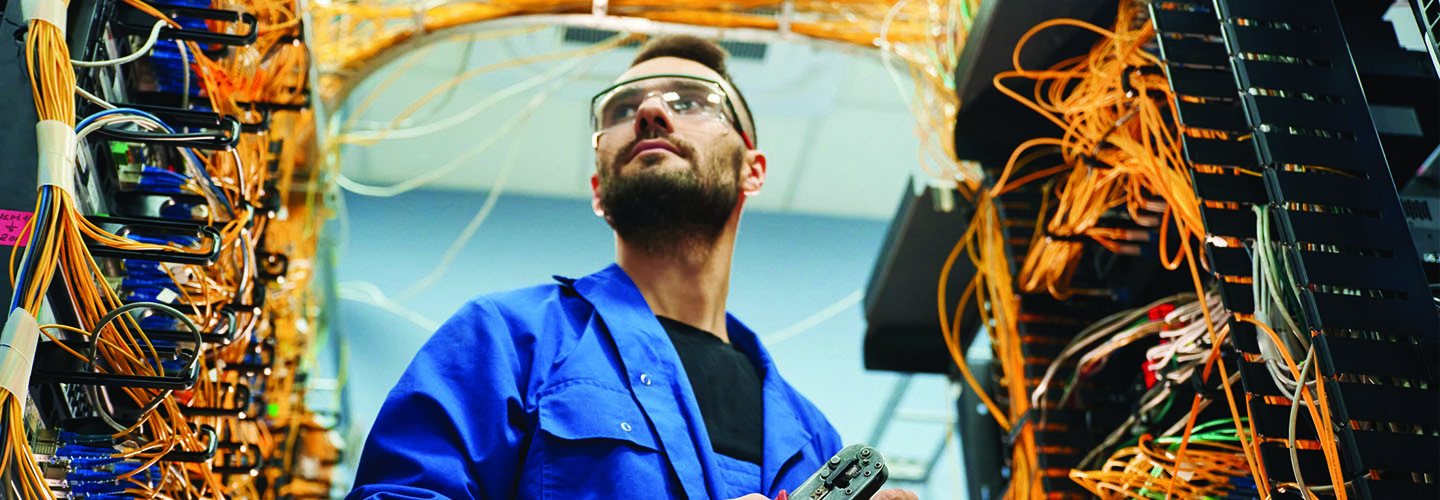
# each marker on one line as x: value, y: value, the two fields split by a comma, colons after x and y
x: 50, y: 11
x: 56, y: 144
x: 17, y: 353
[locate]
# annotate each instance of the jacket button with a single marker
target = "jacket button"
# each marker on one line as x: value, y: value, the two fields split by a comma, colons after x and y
x: 644, y: 379
x: 625, y: 426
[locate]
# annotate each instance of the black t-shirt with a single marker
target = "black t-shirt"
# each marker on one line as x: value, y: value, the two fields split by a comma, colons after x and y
x: 727, y: 386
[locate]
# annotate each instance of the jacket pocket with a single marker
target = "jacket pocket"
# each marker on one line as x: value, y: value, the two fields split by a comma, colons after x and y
x: 584, y: 410
x: 596, y: 443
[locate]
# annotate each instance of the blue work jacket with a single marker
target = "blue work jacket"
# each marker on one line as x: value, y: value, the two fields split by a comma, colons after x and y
x: 570, y: 391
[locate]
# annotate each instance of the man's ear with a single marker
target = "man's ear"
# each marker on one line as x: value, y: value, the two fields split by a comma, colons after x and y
x: 595, y: 194
x: 752, y: 173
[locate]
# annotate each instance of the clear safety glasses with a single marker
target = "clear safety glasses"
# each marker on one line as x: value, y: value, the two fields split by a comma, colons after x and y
x: 686, y: 97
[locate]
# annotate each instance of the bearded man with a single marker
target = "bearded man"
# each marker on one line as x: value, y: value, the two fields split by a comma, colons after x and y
x: 632, y: 382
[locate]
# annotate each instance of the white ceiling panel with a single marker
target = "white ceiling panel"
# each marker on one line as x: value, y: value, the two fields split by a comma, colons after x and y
x: 867, y: 85
x: 784, y: 137
x: 859, y: 165
x: 837, y: 135
x: 551, y: 153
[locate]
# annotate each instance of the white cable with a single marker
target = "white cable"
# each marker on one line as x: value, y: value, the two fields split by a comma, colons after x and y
x: 421, y: 180
x: 192, y: 168
x: 144, y: 49
x: 239, y: 173
x: 142, y: 121
x: 886, y: 49
x: 466, y: 234
x: 444, y: 101
x: 462, y: 117
x: 820, y: 316
x: 460, y: 161
x: 1187, y: 342
x: 1269, y: 305
x: 184, y: 74
x: 91, y: 97
x: 1106, y: 327
x: 367, y: 293
x: 1305, y: 368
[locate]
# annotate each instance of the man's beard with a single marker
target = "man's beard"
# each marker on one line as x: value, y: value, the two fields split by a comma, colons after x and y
x: 668, y: 211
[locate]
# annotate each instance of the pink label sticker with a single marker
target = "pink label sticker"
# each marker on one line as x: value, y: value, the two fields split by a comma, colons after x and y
x: 12, y: 228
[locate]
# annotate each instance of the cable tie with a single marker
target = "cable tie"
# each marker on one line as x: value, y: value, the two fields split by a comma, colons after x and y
x: 55, y: 143
x: 17, y: 353
x: 1147, y: 70
x: 1076, y: 238
x: 1093, y: 162
x: 1019, y: 425
x: 50, y: 11
x: 1201, y: 389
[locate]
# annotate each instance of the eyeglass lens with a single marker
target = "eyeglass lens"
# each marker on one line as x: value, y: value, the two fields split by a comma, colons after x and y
x: 685, y: 98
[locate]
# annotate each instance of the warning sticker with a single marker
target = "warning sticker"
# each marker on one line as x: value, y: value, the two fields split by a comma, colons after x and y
x: 12, y: 225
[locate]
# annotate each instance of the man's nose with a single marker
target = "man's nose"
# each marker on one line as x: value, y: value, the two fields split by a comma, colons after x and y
x: 653, y: 118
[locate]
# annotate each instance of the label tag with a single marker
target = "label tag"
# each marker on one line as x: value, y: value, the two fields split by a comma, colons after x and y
x: 12, y: 224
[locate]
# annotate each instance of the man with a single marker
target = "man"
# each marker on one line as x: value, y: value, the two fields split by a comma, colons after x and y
x: 632, y: 382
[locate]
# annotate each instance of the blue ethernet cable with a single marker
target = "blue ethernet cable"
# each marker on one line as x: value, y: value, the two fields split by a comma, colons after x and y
x: 157, y: 171
x: 94, y: 488
x: 84, y: 462
x: 143, y: 269
x: 78, y: 450
x: 138, y: 281
x: 127, y: 467
x: 177, y: 210
x: 91, y: 476
x: 68, y: 438
x: 188, y: 153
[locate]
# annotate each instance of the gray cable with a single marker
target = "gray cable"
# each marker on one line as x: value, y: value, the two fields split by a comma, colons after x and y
x: 90, y: 391
x: 1295, y: 411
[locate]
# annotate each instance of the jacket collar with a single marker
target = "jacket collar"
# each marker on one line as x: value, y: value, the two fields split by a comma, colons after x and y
x: 644, y: 348
x: 780, y: 446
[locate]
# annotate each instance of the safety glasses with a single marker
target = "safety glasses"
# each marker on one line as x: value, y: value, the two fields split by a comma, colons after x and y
x: 686, y: 97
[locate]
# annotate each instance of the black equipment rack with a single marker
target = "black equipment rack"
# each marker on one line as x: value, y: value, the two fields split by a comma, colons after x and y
x: 1280, y: 80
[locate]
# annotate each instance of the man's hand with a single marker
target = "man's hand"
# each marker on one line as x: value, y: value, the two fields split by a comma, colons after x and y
x: 894, y: 495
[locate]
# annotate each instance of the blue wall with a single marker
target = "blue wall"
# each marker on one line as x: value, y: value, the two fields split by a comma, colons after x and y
x: 787, y: 267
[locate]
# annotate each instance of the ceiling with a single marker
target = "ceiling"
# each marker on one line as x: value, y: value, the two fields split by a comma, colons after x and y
x: 838, y: 136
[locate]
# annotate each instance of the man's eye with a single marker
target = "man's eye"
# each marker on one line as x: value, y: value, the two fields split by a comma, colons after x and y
x: 685, y: 105
x: 621, y: 113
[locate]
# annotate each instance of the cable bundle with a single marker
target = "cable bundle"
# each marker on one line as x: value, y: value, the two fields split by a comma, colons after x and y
x: 1276, y: 303
x: 204, y: 359
x: 1120, y: 147
x: 352, y: 39
x: 1213, y: 469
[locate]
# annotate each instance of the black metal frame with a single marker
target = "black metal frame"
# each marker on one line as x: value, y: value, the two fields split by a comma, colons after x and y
x: 1383, y: 291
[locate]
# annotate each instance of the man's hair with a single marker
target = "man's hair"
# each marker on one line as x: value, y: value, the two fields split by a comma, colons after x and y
x: 702, y: 51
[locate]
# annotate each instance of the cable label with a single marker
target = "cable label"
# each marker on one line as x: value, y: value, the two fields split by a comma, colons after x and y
x: 12, y: 228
